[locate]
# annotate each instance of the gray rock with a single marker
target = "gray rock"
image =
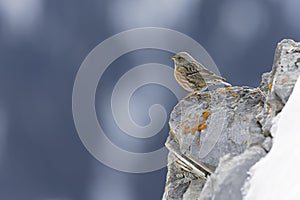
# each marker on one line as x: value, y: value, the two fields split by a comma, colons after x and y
x: 193, y: 190
x: 280, y: 82
x: 205, y: 128
x: 218, y: 135
x: 229, y: 177
x: 228, y: 111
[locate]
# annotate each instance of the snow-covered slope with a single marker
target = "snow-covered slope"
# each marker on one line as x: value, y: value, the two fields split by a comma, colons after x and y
x: 277, y: 176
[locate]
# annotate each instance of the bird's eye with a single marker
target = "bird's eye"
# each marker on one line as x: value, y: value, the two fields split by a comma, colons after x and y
x: 179, y: 58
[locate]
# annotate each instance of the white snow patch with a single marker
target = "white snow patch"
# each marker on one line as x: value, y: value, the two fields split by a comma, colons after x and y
x: 277, y: 175
x: 275, y: 125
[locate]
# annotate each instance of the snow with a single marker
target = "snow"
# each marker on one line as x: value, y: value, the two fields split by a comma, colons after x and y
x: 277, y: 176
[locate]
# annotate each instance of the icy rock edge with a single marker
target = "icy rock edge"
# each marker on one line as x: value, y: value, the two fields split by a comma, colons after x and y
x: 217, y: 136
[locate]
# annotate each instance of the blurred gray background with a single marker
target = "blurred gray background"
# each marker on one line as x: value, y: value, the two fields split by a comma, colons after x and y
x: 43, y: 43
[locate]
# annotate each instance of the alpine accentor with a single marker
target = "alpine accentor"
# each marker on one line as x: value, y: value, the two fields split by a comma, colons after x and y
x: 192, y: 75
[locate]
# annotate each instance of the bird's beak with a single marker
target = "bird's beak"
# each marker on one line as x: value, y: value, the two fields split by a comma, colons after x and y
x: 173, y: 58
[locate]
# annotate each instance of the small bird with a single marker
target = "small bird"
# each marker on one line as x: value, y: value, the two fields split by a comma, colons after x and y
x: 192, y: 75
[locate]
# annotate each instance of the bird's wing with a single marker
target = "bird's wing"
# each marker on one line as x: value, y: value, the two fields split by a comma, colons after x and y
x: 206, y: 72
x: 194, y: 76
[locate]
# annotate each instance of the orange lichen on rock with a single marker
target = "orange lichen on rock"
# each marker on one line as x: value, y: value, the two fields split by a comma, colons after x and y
x: 223, y: 91
x: 179, y: 136
x: 270, y: 86
x: 207, y: 95
x: 269, y: 109
x: 197, y: 119
x: 193, y: 130
x: 205, y: 115
x: 186, y: 130
x: 180, y: 125
x: 185, y: 121
x: 229, y: 89
x: 234, y: 95
x: 202, y: 126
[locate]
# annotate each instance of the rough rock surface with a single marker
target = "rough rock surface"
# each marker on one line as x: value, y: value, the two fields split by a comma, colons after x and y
x: 233, y: 171
x: 218, y: 135
x: 279, y: 83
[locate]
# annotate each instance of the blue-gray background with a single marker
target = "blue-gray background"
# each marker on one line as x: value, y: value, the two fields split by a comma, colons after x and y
x: 42, y: 44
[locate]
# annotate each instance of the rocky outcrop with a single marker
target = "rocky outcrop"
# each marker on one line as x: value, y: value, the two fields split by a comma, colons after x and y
x: 218, y: 135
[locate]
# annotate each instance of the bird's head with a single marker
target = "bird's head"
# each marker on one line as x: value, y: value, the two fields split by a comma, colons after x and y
x: 182, y: 58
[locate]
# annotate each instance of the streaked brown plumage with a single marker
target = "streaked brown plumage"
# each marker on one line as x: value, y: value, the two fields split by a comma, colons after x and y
x: 192, y: 75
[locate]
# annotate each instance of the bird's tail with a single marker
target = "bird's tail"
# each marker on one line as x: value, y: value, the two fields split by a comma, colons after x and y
x: 225, y: 83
